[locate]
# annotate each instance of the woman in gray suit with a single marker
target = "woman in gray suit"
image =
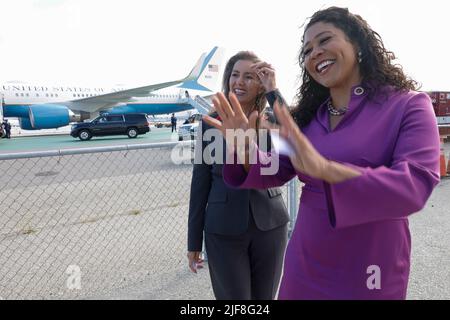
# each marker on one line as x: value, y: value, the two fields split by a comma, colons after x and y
x: 245, y: 230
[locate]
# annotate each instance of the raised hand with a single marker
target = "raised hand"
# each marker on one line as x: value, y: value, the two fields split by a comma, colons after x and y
x: 231, y: 115
x: 266, y: 73
x: 305, y: 158
x: 238, y: 130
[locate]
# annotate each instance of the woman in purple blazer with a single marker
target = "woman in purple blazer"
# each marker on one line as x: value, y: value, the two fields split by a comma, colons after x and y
x: 366, y: 146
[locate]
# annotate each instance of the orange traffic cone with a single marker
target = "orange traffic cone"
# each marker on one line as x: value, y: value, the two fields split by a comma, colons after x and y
x: 442, y: 160
x: 443, y: 165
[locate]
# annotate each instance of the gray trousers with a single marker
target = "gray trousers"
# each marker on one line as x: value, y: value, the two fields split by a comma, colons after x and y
x: 247, y: 266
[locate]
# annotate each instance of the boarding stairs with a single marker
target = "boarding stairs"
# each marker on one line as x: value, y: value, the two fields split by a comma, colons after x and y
x: 2, y: 133
x: 1, y: 107
x: 201, y: 104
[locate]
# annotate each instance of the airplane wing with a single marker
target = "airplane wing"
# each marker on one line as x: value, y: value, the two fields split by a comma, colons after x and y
x: 105, y: 101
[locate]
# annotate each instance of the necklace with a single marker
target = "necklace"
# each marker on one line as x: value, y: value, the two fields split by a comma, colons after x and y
x: 335, y: 112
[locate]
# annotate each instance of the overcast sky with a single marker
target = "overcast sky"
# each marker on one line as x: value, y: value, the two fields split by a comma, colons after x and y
x: 141, y: 42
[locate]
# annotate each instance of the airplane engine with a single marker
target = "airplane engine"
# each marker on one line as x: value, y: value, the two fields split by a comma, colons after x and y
x: 25, y: 124
x: 47, y: 116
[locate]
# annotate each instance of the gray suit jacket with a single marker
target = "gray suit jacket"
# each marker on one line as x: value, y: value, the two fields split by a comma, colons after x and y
x: 216, y: 208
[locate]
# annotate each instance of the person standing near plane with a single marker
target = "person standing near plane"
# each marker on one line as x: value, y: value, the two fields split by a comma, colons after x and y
x: 365, y: 144
x: 245, y: 230
x: 6, y: 128
x: 2, y: 130
x: 173, y: 122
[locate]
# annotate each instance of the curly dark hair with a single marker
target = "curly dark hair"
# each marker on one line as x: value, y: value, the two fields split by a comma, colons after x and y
x: 376, y: 66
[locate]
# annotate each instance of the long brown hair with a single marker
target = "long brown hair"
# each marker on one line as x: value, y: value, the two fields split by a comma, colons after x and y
x: 376, y: 65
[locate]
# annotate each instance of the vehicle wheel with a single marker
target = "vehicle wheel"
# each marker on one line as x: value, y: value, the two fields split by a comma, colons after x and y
x: 84, y: 135
x: 132, y: 133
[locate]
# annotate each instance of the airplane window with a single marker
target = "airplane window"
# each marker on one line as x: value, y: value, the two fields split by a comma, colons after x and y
x: 17, y: 94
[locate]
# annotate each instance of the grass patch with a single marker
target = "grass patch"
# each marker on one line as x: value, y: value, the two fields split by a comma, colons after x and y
x: 91, y: 220
x: 28, y: 231
x: 135, y: 212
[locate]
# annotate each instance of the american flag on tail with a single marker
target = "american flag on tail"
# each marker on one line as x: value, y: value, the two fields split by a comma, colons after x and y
x: 213, y: 67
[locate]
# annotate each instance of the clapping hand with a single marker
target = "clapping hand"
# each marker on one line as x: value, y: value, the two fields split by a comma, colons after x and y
x: 231, y: 115
x: 305, y: 158
x: 233, y: 118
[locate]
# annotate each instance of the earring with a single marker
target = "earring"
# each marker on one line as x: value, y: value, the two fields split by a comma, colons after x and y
x: 359, y: 56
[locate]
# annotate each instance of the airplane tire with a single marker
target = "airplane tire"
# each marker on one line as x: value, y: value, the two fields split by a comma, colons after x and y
x: 84, y: 135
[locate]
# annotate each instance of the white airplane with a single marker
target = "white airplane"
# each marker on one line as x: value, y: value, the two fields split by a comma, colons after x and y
x: 39, y: 106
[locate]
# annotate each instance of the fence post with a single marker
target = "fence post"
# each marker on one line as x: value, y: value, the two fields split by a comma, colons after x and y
x: 292, y: 200
x: 1, y: 107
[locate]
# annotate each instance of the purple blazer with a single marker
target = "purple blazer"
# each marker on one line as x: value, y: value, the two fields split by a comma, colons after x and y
x: 351, y: 239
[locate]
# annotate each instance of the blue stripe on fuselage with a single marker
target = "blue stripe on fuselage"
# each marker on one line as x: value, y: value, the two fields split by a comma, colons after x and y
x: 163, y: 108
x: 22, y: 111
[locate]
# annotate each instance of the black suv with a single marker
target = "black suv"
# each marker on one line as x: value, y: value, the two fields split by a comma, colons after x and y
x: 130, y: 124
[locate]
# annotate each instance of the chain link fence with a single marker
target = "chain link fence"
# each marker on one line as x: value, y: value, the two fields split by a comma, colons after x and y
x: 75, y: 223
